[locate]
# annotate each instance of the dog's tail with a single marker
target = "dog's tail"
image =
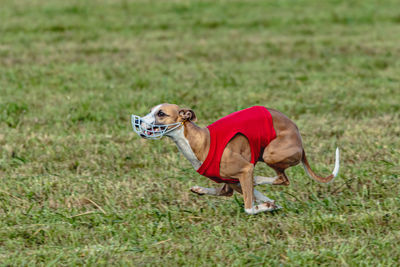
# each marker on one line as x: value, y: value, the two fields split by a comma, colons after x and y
x: 316, y: 177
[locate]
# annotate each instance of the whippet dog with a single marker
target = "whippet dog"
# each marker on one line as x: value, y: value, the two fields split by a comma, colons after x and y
x: 235, y: 165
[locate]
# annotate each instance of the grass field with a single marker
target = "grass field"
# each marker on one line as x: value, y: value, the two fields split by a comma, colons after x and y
x: 79, y: 187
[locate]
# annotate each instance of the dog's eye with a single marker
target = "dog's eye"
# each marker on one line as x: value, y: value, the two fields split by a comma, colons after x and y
x: 161, y: 114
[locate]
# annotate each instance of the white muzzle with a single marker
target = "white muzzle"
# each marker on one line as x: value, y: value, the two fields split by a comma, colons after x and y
x: 152, y: 131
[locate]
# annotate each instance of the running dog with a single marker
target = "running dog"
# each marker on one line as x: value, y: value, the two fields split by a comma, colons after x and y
x: 227, y: 150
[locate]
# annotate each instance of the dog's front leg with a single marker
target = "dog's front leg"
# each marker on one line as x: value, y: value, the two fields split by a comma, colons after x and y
x: 247, y: 185
x: 258, y: 196
x: 225, y: 190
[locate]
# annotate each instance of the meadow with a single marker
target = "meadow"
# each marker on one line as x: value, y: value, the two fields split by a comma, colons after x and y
x: 78, y: 187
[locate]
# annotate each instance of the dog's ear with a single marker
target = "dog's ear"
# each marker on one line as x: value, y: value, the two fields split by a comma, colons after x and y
x: 187, y: 115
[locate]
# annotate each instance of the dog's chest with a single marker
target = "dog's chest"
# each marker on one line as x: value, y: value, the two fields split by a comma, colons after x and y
x: 184, y: 147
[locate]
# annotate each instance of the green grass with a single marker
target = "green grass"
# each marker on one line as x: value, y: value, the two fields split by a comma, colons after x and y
x: 79, y: 187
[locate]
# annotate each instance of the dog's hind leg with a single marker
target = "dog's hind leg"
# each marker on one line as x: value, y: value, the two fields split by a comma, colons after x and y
x: 259, y: 180
x: 282, y: 153
x: 225, y: 190
x: 259, y: 198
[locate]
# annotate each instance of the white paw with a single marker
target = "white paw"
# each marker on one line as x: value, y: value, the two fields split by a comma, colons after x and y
x: 266, y: 206
x: 198, y: 190
x: 261, y: 201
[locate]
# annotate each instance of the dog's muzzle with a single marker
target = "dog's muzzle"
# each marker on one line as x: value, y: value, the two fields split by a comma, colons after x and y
x: 152, y: 131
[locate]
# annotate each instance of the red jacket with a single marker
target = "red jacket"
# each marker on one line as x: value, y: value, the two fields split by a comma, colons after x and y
x: 255, y: 123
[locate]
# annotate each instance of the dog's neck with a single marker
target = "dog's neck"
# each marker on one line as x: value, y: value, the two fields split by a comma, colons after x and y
x: 193, y: 142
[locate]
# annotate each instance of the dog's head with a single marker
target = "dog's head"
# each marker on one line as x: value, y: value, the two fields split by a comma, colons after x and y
x: 168, y: 114
x: 161, y: 120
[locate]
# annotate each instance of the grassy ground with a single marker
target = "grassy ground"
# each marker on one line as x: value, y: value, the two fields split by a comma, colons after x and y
x: 79, y: 187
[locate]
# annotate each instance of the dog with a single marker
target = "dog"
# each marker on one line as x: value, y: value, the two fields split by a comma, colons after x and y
x: 227, y: 150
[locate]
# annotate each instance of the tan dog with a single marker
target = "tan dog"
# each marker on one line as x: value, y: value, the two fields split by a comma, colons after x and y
x: 284, y: 151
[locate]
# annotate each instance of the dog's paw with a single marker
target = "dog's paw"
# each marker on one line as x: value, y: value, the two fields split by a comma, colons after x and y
x: 269, y: 206
x: 266, y: 206
x: 198, y: 190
